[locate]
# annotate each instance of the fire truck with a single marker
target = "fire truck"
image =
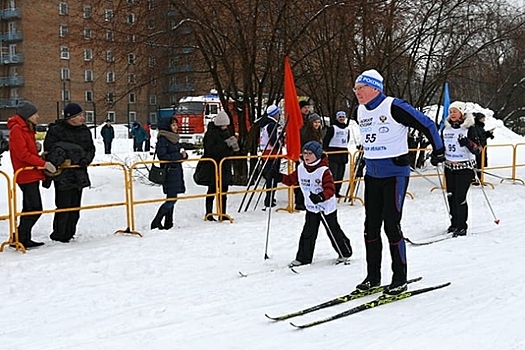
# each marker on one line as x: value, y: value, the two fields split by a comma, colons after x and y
x: 193, y: 114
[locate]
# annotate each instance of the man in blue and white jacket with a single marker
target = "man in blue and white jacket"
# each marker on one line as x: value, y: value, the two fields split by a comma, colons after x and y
x: 383, y: 123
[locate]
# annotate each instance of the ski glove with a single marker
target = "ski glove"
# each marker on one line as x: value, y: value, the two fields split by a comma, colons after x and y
x: 50, y: 167
x: 317, y: 198
x: 462, y: 140
x: 438, y: 156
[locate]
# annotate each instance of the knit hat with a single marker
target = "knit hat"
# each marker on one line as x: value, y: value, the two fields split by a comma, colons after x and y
x: 135, y: 123
x: 478, y: 115
x: 272, y: 110
x: 341, y: 114
x: 72, y: 110
x: 26, y: 109
x: 222, y: 119
x: 315, y: 147
x: 303, y: 103
x: 313, y: 117
x: 108, y: 120
x: 371, y: 78
x: 460, y: 106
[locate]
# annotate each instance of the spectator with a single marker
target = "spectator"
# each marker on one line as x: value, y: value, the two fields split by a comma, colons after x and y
x: 270, y: 143
x: 147, y: 145
x: 481, y: 136
x: 24, y: 153
x: 68, y: 142
x: 108, y: 134
x: 139, y: 136
x: 168, y: 148
x: 336, y: 140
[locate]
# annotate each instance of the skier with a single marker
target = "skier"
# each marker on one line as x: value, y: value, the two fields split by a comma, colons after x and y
x: 317, y: 186
x: 336, y: 140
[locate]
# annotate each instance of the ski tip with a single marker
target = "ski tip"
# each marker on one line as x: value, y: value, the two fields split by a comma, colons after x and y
x: 417, y: 279
x: 242, y: 274
x: 293, y: 270
x: 296, y: 326
x: 270, y: 317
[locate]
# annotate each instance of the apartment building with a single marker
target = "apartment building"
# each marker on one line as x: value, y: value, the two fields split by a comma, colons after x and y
x: 113, y: 57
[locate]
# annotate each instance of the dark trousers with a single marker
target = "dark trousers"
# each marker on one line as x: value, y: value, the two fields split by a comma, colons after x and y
x: 209, y: 200
x: 298, y: 195
x: 171, y: 192
x: 272, y: 167
x: 384, y: 198
x: 137, y: 146
x: 338, y: 172
x: 107, y: 147
x: 65, y: 223
x: 31, y: 202
x: 147, y: 145
x: 339, y: 241
x: 458, y: 183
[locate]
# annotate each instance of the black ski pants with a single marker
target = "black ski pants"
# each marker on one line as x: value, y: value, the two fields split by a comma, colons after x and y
x: 458, y: 183
x: 384, y: 198
x: 338, y: 172
x: 32, y: 201
x: 65, y: 223
x: 339, y: 241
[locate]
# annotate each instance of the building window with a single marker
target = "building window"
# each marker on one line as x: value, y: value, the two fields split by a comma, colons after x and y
x: 151, y: 23
x: 153, y: 117
x: 111, y: 116
x: 110, y: 77
x: 65, y: 95
x: 132, y: 79
x: 87, y: 33
x: 109, y: 35
x: 88, y: 94
x: 151, y: 5
x: 108, y: 15
x: 64, y: 52
x: 152, y: 99
x: 109, y: 56
x: 88, y: 55
x: 90, y: 116
x: 152, y: 62
x: 64, y: 73
x: 132, y: 38
x: 62, y: 9
x: 130, y: 2
x: 132, y: 115
x: 130, y: 18
x: 88, y: 75
x: 62, y: 31
x: 132, y: 97
x: 131, y: 58
x: 87, y: 11
x: 110, y: 97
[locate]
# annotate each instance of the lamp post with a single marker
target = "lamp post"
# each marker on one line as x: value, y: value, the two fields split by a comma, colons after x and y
x: 95, y: 117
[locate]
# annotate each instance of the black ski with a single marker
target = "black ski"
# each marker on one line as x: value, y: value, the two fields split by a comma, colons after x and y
x: 356, y: 294
x: 382, y: 300
x: 431, y: 240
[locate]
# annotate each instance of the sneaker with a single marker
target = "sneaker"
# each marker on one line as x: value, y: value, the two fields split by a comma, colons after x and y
x: 451, y: 229
x: 459, y: 232
x: 295, y: 263
x: 343, y: 260
x: 367, y: 285
x: 395, y: 289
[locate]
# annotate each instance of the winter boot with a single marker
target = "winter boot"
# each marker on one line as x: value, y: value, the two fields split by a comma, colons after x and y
x: 209, y: 208
x: 168, y: 222
x: 157, y: 221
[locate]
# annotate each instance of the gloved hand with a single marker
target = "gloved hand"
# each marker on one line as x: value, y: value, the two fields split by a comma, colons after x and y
x: 462, y: 140
x: 50, y: 167
x: 38, y: 146
x: 232, y: 143
x: 317, y: 198
x: 438, y: 156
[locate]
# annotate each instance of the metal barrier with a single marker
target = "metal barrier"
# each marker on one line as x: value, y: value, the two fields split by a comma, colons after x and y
x: 10, y: 202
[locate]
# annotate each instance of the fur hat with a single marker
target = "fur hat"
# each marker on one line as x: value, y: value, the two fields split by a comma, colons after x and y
x: 371, y: 78
x: 272, y: 110
x: 478, y: 116
x: 222, y: 119
x: 26, y: 109
x: 459, y: 105
x: 315, y: 147
x: 72, y: 110
x: 303, y: 104
x: 341, y: 114
x: 313, y: 117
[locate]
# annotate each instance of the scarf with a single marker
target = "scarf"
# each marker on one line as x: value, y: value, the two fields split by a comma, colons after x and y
x: 171, y: 136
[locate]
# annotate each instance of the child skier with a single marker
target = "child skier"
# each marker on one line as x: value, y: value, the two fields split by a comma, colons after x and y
x: 317, y: 184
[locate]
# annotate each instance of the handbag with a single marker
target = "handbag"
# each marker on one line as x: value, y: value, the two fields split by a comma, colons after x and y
x: 201, y: 176
x: 157, y: 174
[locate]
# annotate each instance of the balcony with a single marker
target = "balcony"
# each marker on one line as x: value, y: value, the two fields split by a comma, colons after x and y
x: 12, y: 81
x: 12, y: 36
x: 10, y: 13
x: 179, y: 69
x: 179, y: 88
x: 10, y: 102
x: 11, y: 59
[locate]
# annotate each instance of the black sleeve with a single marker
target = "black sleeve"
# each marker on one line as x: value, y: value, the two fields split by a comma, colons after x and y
x: 327, y: 137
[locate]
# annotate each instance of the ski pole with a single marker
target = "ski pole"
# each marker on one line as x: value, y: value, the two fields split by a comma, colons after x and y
x: 494, y: 175
x: 445, y: 193
x: 331, y: 234
x: 448, y: 194
x: 496, y: 220
x: 273, y: 184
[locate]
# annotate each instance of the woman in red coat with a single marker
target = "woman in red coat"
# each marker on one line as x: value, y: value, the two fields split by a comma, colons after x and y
x: 24, y: 153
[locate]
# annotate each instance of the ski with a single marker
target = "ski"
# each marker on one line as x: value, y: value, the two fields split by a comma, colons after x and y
x: 382, y: 300
x: 356, y: 294
x: 431, y: 240
x: 244, y: 274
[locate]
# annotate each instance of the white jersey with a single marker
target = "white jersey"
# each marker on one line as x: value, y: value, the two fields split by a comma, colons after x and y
x: 313, y: 182
x: 454, y: 152
x: 264, y: 137
x: 381, y: 135
x: 340, y: 138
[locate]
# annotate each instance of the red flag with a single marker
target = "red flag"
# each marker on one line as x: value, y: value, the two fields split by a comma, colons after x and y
x: 292, y: 112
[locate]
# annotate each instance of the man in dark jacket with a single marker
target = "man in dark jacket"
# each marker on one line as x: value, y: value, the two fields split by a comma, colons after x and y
x: 108, y: 134
x: 482, y: 136
x: 69, y: 141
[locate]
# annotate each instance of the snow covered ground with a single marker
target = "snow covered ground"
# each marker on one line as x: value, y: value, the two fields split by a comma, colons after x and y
x: 180, y: 289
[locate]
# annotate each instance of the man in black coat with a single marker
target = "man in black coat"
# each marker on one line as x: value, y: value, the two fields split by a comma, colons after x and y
x: 108, y: 134
x: 69, y: 142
